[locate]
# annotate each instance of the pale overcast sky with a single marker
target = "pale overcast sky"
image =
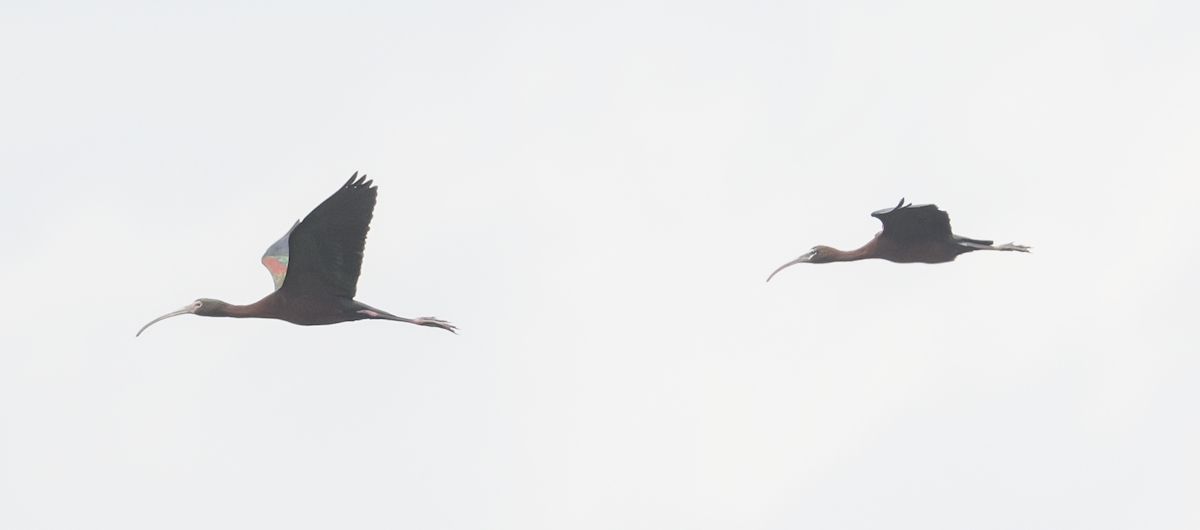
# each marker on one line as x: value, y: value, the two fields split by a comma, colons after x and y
x: 595, y: 192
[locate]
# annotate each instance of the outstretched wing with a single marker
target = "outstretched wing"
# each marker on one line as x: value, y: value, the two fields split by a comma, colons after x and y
x: 920, y: 222
x: 276, y: 258
x: 325, y: 250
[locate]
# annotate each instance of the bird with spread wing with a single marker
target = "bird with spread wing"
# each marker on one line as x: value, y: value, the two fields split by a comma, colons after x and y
x: 315, y: 267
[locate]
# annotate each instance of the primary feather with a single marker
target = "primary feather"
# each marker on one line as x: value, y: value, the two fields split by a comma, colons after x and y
x: 325, y: 251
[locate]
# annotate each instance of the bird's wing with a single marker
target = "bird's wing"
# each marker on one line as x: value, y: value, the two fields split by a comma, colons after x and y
x: 276, y: 258
x: 923, y: 221
x: 325, y: 250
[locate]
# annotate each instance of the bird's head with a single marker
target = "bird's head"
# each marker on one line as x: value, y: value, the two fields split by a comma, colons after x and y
x: 206, y: 307
x: 209, y: 307
x: 818, y: 254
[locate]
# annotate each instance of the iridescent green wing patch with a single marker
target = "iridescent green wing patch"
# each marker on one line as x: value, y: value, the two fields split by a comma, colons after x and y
x: 276, y: 258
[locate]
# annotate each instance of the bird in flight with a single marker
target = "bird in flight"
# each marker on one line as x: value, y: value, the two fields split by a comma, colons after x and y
x: 315, y: 267
x: 911, y: 234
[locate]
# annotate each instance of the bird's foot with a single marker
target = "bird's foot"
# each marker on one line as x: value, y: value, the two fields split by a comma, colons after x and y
x: 1013, y: 246
x: 434, y: 322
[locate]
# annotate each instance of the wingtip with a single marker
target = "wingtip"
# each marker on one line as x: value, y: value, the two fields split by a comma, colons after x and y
x: 359, y: 182
x: 899, y: 206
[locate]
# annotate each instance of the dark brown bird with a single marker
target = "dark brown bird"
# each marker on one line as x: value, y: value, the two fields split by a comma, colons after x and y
x: 911, y: 234
x: 315, y: 267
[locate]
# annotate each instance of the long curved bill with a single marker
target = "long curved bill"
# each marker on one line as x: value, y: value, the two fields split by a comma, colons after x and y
x: 801, y: 259
x: 190, y: 308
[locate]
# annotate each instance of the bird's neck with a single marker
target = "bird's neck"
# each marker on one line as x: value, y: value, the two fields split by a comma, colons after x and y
x: 847, y: 255
x: 238, y: 311
x: 259, y: 309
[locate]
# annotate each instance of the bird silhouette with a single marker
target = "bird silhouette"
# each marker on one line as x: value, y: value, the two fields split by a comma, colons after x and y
x: 911, y: 234
x: 315, y: 267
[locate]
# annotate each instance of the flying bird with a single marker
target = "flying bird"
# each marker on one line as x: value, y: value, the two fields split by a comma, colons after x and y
x: 315, y: 266
x: 911, y: 234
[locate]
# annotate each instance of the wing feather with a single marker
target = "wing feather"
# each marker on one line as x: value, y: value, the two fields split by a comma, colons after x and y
x: 920, y: 222
x: 275, y: 259
x: 325, y: 250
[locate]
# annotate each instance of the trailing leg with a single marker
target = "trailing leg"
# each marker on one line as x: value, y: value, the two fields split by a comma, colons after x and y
x: 422, y: 321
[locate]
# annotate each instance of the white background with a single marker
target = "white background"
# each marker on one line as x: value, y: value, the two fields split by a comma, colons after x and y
x: 595, y: 192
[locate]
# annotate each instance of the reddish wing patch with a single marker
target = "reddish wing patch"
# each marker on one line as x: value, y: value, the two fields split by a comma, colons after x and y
x: 274, y: 266
x: 278, y: 269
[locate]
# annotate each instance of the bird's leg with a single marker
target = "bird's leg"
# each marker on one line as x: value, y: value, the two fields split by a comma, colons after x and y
x: 1006, y: 246
x: 421, y: 321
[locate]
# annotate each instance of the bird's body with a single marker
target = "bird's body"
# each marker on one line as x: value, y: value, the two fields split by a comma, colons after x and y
x: 911, y: 234
x: 315, y: 267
